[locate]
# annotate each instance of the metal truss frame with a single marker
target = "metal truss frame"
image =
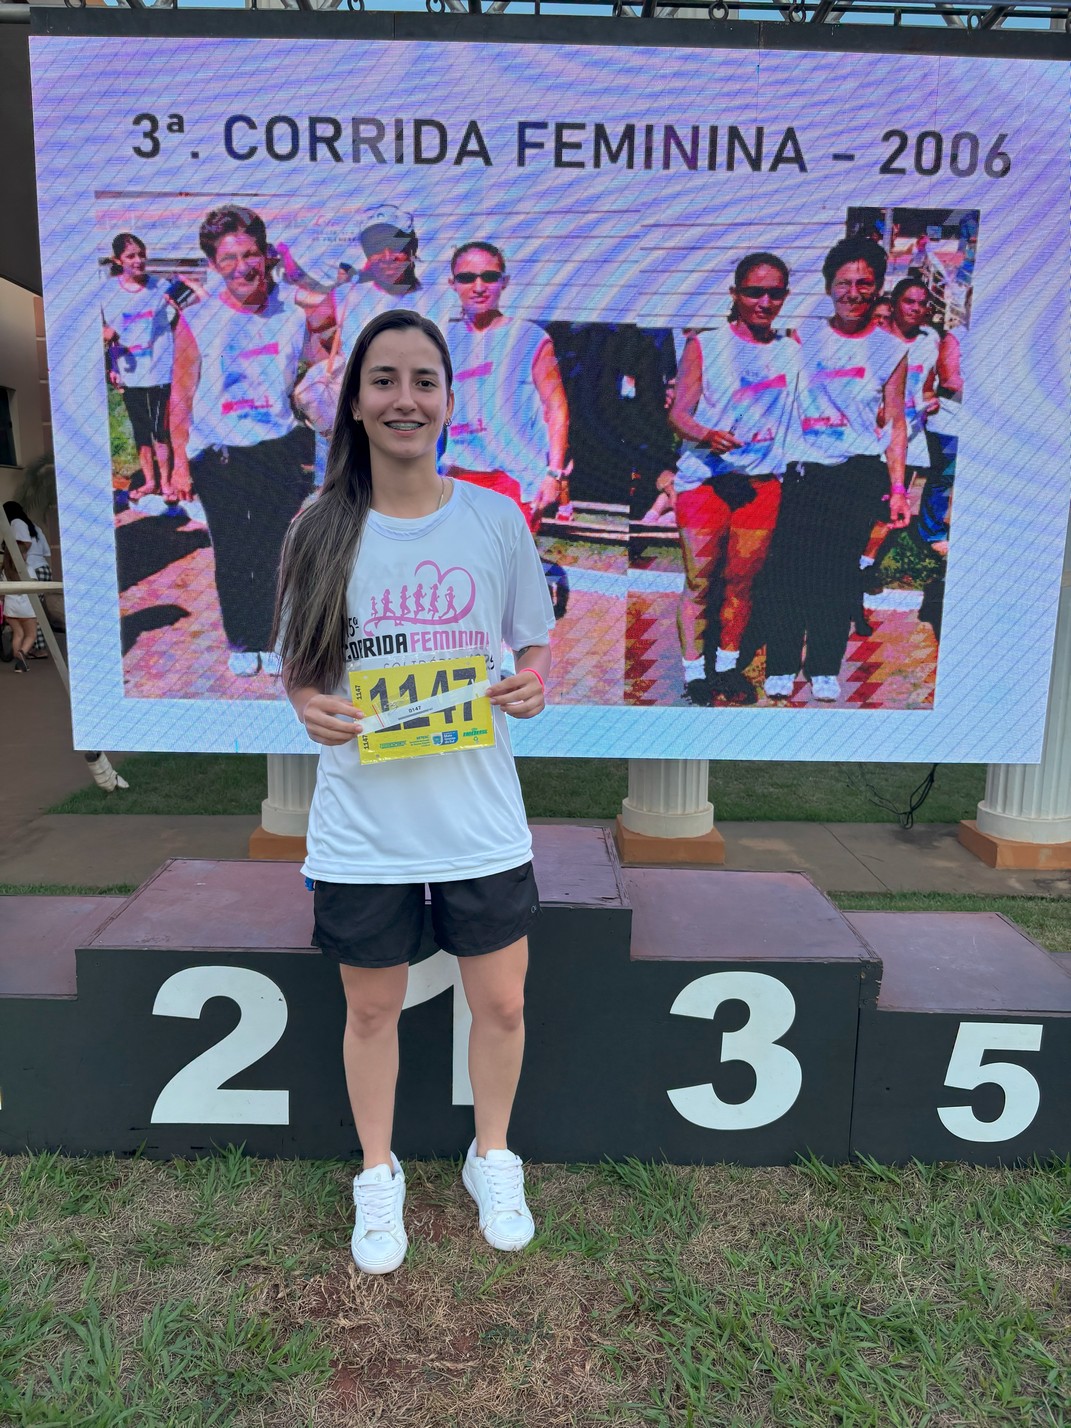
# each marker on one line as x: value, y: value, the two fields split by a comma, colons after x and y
x: 955, y: 14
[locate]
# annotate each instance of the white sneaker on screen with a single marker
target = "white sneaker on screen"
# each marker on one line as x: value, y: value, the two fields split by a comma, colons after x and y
x: 825, y: 686
x: 243, y: 663
x: 779, y: 686
x: 379, y: 1240
x: 496, y: 1183
x: 270, y: 662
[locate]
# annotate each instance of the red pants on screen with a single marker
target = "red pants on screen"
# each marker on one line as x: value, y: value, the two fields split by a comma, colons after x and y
x: 505, y: 485
x: 718, y: 539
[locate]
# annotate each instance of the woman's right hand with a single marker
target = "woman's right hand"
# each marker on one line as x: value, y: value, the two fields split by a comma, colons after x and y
x: 330, y: 720
x: 722, y: 441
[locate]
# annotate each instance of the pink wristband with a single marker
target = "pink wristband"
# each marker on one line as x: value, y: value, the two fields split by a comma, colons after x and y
x: 529, y: 670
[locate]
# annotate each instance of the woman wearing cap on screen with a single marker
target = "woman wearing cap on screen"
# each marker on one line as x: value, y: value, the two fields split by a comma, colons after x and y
x: 383, y: 275
x: 851, y: 474
x: 235, y: 433
x: 733, y: 404
x: 374, y: 275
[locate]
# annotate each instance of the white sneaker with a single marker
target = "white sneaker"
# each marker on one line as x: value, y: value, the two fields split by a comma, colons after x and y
x: 496, y: 1183
x: 379, y: 1240
x: 243, y: 662
x: 779, y: 686
x: 270, y: 663
x: 825, y: 686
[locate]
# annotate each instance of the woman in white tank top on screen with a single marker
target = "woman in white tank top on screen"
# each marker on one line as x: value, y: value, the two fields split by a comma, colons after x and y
x: 237, y: 439
x: 845, y: 472
x: 905, y: 314
x: 735, y: 392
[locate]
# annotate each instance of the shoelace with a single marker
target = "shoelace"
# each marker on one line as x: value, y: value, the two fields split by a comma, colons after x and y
x: 377, y: 1206
x: 506, y: 1180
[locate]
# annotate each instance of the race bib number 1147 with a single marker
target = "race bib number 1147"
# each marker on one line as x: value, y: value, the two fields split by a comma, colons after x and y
x: 409, y: 710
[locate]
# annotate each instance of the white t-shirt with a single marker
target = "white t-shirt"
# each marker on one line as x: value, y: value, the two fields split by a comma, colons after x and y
x: 18, y: 606
x: 249, y: 363
x: 445, y: 816
x: 364, y: 300
x: 842, y: 378
x: 144, y: 356
x: 40, y: 552
x: 921, y: 360
x: 498, y: 422
x: 749, y: 389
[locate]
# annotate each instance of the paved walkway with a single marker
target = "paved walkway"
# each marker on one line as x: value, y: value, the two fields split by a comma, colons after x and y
x: 91, y: 850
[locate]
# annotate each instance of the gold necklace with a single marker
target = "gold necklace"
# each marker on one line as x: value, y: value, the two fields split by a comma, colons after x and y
x: 442, y: 493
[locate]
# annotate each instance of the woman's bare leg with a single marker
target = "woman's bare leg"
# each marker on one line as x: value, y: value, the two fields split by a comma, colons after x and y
x: 494, y: 989
x: 374, y: 997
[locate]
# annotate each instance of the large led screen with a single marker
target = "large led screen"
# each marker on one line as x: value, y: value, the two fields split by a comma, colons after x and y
x: 772, y: 348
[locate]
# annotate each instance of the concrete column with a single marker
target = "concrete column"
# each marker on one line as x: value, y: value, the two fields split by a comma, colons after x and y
x: 667, y: 817
x: 284, y: 814
x: 1024, y: 821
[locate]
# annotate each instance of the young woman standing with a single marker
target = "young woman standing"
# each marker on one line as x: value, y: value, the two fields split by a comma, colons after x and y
x: 138, y: 317
x: 733, y: 404
x: 386, y: 526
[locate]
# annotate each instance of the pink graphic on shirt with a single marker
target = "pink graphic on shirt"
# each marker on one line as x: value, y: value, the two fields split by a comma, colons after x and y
x: 483, y: 369
x: 269, y: 349
x: 451, y: 596
x: 750, y: 390
x: 842, y: 374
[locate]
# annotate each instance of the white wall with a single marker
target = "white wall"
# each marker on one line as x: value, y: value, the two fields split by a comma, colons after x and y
x: 24, y: 370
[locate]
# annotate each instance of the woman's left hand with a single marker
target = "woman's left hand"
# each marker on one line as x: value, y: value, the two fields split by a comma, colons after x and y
x: 899, y: 510
x: 521, y: 695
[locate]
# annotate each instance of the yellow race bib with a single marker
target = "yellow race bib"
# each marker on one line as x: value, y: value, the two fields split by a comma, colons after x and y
x: 409, y: 710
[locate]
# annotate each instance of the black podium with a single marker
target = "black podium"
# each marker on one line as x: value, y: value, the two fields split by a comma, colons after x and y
x: 694, y: 1016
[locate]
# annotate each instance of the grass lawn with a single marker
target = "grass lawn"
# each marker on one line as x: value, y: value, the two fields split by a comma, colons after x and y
x: 576, y: 788
x: 220, y: 1294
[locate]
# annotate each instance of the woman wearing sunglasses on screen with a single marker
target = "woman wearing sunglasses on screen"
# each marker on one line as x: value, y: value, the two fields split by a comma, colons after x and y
x: 850, y: 474
x: 732, y: 407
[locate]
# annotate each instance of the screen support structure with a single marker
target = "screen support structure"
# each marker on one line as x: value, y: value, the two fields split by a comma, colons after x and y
x: 1024, y: 821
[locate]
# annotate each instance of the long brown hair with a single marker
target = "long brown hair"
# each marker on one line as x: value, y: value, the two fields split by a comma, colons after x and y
x: 309, y: 629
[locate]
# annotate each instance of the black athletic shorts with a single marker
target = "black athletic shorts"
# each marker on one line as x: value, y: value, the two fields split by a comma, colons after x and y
x: 147, y: 409
x: 386, y: 924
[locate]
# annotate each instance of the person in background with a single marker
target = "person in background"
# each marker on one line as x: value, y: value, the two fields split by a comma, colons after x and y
x: 908, y: 315
x: 733, y: 407
x: 39, y: 564
x: 237, y: 439
x: 382, y: 274
x: 510, y: 427
x: 851, y: 473
x: 935, y: 508
x: 375, y: 274
x: 18, y: 612
x: 138, y: 317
